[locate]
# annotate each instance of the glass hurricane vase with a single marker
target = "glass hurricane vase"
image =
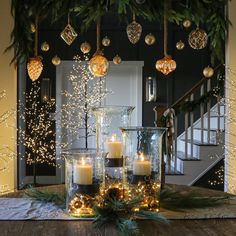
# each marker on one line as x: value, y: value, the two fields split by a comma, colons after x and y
x: 142, y: 149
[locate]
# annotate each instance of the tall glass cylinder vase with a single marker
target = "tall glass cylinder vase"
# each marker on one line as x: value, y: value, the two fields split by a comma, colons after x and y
x: 84, y: 178
x: 142, y: 149
x: 109, y: 139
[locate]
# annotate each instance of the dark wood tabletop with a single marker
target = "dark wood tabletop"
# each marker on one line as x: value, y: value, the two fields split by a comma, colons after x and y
x: 184, y: 227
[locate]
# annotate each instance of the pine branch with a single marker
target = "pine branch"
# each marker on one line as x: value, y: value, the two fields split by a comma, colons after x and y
x: 35, y: 194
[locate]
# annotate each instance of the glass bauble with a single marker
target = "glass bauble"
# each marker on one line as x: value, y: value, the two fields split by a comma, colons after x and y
x: 180, y: 45
x: 197, y: 39
x: 150, y: 39
x: 208, y: 72
x: 98, y: 64
x: 85, y: 47
x: 106, y: 41
x: 56, y: 60
x: 45, y: 46
x: 117, y: 60
x: 35, y: 67
x: 166, y: 65
x: 134, y: 31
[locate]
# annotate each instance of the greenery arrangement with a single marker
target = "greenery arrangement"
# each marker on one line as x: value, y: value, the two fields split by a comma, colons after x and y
x: 208, y: 14
x: 122, y: 213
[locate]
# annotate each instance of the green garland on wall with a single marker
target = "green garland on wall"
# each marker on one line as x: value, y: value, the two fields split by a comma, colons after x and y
x: 209, y: 13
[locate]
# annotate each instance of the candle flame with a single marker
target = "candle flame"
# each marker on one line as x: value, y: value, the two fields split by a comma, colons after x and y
x: 141, y: 156
x: 83, y: 162
x: 113, y: 138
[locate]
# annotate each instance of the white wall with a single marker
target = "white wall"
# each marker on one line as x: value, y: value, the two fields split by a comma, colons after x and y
x: 230, y: 167
x: 8, y: 83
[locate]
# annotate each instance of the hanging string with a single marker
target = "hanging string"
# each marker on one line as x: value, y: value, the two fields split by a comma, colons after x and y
x: 134, y: 17
x: 36, y: 36
x: 165, y: 28
x: 98, y: 33
x: 68, y: 18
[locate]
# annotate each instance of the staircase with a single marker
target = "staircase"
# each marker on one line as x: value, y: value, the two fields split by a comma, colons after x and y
x: 200, y: 147
x: 206, y: 147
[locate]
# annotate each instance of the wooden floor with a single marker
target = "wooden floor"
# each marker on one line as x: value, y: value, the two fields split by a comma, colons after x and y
x: 211, y: 227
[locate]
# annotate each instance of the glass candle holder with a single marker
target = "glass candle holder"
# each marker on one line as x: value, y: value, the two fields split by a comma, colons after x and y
x: 84, y: 177
x: 142, y: 149
x: 109, y: 140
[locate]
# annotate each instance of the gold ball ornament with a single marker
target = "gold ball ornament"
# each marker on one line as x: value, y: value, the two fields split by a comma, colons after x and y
x: 45, y: 46
x: 98, y: 65
x: 180, y: 45
x: 106, y: 41
x: 35, y: 67
x: 187, y: 23
x: 150, y: 39
x: 117, y: 60
x: 32, y: 28
x: 166, y: 65
x: 197, y: 39
x: 208, y: 72
x: 56, y: 60
x: 85, y: 47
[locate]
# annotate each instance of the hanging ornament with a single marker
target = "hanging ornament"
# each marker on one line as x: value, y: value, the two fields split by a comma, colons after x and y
x: 35, y: 65
x: 197, y: 39
x: 56, y: 60
x: 134, y: 31
x: 106, y: 41
x: 45, y: 46
x: 165, y: 65
x: 117, y: 60
x: 69, y: 34
x: 187, y: 23
x: 150, y: 39
x: 98, y: 64
x: 85, y: 47
x: 32, y: 28
x: 180, y: 45
x: 208, y: 72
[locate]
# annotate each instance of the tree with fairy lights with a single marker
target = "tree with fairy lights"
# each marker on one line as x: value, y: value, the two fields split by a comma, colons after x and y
x: 6, y: 153
x: 36, y: 132
x: 85, y: 92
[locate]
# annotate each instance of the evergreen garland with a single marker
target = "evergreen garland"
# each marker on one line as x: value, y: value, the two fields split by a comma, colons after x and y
x: 201, y: 12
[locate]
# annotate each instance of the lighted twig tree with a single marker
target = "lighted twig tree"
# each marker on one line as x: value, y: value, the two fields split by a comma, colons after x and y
x: 85, y: 92
x: 36, y: 132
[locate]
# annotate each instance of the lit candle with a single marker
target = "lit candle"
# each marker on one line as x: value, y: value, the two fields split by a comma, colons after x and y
x: 142, y: 166
x: 83, y: 173
x: 113, y: 147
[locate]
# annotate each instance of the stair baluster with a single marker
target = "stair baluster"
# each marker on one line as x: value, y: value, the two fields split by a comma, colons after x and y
x: 191, y: 127
x: 202, y: 114
x: 208, y: 112
x: 186, y: 125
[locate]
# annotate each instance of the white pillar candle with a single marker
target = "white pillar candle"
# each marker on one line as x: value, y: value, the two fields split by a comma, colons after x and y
x: 142, y: 166
x: 83, y: 173
x: 113, y: 147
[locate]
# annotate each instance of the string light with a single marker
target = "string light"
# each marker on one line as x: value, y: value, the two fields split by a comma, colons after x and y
x: 86, y: 92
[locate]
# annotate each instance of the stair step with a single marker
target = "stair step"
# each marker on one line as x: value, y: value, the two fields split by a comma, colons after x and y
x: 211, y: 129
x: 181, y: 156
x: 198, y: 143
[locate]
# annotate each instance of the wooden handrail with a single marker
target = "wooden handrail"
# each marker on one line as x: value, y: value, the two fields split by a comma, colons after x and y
x: 193, y: 89
x: 189, y: 92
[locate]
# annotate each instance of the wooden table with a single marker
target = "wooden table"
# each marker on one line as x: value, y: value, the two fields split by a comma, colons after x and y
x: 211, y: 227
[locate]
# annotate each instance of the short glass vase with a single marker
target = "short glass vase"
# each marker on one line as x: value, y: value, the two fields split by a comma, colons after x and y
x: 84, y: 178
x: 142, y: 149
